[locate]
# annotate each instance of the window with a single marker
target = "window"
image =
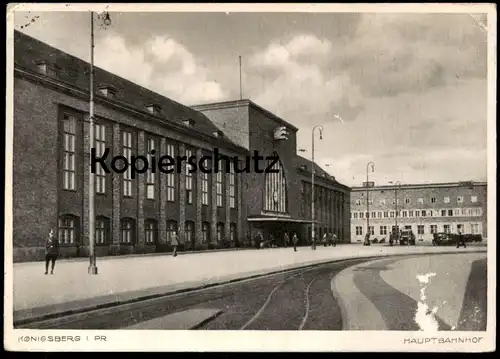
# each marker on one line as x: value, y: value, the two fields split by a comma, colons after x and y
x: 100, y: 147
x: 443, y: 213
x: 150, y: 231
x: 430, y: 212
x: 408, y: 227
x: 204, y: 189
x: 446, y: 199
x: 275, y: 190
x: 67, y: 230
x: 477, y: 212
x: 433, y: 199
x: 219, y: 185
x: 101, y: 230
x: 127, y: 231
x: 417, y: 213
x: 171, y: 176
x: 382, y: 202
x: 473, y: 199
x: 386, y: 214
x: 450, y: 213
x: 456, y: 212
x: 205, y: 232
x: 460, y: 199
x: 372, y: 230
x: 373, y: 215
x: 420, y: 229
x: 394, y: 201
x: 127, y: 175
x: 460, y: 228
x: 171, y: 229
x: 359, y: 230
x: 361, y: 215
x: 69, y: 170
x: 463, y: 212
x: 392, y: 214
x: 355, y: 214
x: 189, y: 179
x: 379, y: 214
x: 408, y: 200
x: 232, y: 183
x: 474, y: 228
x: 367, y: 214
x: 446, y: 228
x: 423, y: 213
x: 150, y: 177
x: 420, y: 200
x: 189, y: 231
x: 405, y: 214
x: 358, y: 202
x: 220, y: 232
x: 434, y: 228
x: 232, y: 236
x: 383, y: 230
x: 410, y: 214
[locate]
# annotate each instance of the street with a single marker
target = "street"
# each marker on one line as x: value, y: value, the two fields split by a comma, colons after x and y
x: 362, y: 294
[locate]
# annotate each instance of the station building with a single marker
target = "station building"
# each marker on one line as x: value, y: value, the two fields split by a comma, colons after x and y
x: 138, y: 214
x: 424, y: 208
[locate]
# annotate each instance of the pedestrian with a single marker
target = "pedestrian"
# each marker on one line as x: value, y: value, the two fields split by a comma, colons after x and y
x: 286, y: 240
x: 295, y: 240
x: 174, y: 242
x: 460, y: 240
x: 51, y: 252
x: 334, y: 239
x: 325, y: 239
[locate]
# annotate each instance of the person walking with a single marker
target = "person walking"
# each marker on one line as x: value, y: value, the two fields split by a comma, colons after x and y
x: 295, y: 240
x: 286, y: 240
x: 334, y: 239
x: 174, y: 242
x: 51, y: 252
x: 325, y: 239
x: 460, y: 240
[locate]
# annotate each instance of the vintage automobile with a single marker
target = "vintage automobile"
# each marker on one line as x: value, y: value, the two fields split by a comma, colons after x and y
x: 473, y: 238
x: 443, y: 239
x: 407, y: 238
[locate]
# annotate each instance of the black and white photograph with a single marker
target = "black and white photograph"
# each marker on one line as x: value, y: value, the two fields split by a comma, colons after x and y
x: 250, y: 177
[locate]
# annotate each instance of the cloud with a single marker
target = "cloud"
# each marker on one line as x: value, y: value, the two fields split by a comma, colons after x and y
x: 163, y: 65
x: 289, y: 78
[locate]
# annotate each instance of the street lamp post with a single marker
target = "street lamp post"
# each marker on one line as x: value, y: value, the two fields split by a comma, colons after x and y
x: 396, y: 188
x: 368, y: 197
x: 320, y: 128
x: 92, y: 266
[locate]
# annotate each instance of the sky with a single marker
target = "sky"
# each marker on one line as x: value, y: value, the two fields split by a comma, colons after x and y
x: 410, y: 88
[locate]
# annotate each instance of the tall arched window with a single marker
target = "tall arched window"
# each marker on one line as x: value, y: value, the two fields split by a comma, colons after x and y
x: 102, y: 230
x: 127, y: 231
x: 68, y: 229
x: 205, y: 232
x: 275, y: 190
x: 189, y: 235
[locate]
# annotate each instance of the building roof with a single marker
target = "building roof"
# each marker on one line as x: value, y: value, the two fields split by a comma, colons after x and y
x: 29, y: 52
x: 422, y: 185
x: 244, y: 102
x: 304, y: 165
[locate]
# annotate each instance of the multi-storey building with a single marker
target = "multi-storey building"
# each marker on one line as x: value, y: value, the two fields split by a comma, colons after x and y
x: 424, y: 208
x: 139, y: 213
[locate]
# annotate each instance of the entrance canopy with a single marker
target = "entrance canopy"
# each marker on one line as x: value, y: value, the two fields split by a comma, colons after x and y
x: 281, y: 219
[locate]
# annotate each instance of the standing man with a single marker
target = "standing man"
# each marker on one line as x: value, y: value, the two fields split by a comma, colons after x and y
x: 286, y: 240
x: 175, y: 243
x: 51, y: 252
x: 295, y: 240
x: 325, y: 239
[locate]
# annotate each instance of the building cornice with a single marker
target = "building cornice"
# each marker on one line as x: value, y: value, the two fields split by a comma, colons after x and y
x: 84, y: 95
x: 420, y: 186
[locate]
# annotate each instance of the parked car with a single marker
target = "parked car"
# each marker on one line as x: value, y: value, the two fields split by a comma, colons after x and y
x: 407, y: 237
x: 443, y: 239
x: 473, y: 237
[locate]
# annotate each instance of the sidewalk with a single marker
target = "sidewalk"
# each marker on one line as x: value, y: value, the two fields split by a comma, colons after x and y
x: 72, y: 289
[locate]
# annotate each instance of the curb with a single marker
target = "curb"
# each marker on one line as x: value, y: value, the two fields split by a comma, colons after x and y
x: 116, y: 303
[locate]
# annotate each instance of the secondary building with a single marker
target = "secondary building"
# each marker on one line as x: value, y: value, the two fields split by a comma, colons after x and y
x: 139, y: 213
x: 424, y: 208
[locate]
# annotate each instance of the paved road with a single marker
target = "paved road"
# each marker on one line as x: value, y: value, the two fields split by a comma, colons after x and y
x: 297, y: 300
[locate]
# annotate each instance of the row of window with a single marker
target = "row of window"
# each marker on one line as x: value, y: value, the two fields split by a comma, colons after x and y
x: 70, y: 168
x: 417, y: 213
x: 475, y: 228
x: 69, y: 225
x: 327, y: 201
x: 383, y: 201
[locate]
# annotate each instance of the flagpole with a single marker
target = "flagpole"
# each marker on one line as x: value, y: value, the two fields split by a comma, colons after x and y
x: 92, y: 266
